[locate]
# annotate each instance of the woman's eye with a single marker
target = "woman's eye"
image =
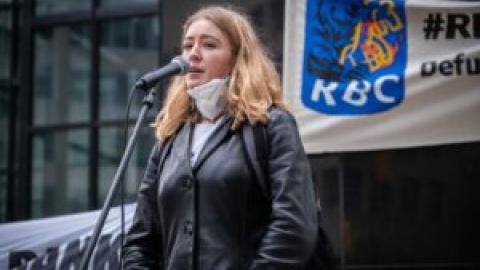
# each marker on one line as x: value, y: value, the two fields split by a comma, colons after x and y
x: 187, y: 46
x: 210, y: 45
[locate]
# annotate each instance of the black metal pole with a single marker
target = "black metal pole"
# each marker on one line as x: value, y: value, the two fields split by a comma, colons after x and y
x: 147, y: 104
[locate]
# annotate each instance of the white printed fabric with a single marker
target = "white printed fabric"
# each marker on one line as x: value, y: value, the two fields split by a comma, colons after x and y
x: 58, y: 242
x: 365, y: 75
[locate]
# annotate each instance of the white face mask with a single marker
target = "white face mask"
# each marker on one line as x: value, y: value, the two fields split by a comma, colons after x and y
x: 209, y: 97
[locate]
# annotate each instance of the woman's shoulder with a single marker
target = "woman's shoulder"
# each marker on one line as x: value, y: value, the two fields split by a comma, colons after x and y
x: 278, y: 115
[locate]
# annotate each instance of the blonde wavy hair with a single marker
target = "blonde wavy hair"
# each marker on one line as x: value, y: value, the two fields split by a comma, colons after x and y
x: 254, y: 82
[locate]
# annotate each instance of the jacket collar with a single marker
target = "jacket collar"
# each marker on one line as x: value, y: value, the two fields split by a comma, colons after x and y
x: 212, y: 143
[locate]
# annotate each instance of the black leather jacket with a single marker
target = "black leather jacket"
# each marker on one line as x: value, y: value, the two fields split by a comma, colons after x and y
x: 213, y: 215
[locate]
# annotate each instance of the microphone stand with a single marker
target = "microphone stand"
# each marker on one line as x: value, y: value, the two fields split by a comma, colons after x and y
x: 147, y: 104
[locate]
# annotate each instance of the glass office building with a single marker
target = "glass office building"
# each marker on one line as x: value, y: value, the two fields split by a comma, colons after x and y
x: 66, y: 69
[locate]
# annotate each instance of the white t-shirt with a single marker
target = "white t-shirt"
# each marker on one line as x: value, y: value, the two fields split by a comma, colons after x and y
x: 201, y: 132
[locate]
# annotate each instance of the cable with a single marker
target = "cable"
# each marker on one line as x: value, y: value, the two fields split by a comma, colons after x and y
x: 122, y: 189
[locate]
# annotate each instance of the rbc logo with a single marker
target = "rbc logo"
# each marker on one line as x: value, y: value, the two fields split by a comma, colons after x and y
x: 354, y: 56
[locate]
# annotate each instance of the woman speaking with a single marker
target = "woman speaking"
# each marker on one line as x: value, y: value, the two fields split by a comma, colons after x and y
x: 200, y: 205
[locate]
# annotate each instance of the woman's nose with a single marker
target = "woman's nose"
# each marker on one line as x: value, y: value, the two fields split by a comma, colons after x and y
x: 194, y: 53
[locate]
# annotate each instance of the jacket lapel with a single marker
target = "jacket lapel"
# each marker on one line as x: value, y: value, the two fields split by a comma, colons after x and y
x: 181, y: 145
x: 213, y: 142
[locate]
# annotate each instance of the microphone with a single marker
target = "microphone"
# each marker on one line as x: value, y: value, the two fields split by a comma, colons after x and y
x: 178, y: 65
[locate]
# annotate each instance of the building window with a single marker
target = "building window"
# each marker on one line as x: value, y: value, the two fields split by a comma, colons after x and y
x: 116, y: 3
x: 128, y: 49
x: 4, y: 147
x: 62, y: 75
x: 45, y: 7
x: 5, y: 41
x: 60, y: 172
x: 82, y: 76
x: 7, y: 59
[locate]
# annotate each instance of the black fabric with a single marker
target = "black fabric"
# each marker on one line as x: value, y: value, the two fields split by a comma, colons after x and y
x: 213, y: 215
x: 142, y: 251
x: 324, y: 257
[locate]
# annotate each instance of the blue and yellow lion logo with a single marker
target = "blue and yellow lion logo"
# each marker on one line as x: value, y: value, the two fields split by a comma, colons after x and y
x: 354, y: 57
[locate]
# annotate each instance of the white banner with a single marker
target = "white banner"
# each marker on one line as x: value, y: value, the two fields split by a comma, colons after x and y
x: 364, y: 75
x: 59, y: 242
